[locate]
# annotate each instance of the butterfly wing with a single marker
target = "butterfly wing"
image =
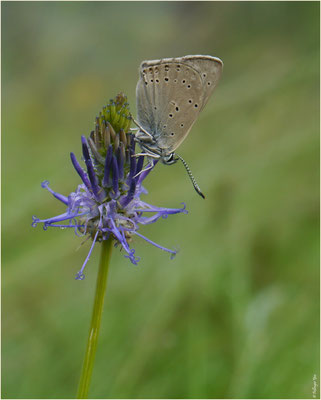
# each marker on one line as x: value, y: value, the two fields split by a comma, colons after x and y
x: 210, y: 68
x: 171, y: 93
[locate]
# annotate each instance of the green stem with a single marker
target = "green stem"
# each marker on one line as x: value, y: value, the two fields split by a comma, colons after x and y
x: 95, y: 320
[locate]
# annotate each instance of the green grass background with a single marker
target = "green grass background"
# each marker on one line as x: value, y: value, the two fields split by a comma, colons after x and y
x: 236, y: 313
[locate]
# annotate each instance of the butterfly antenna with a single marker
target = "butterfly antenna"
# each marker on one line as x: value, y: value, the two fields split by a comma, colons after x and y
x: 196, y: 187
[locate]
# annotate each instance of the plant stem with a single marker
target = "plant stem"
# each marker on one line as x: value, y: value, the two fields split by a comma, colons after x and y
x: 106, y: 247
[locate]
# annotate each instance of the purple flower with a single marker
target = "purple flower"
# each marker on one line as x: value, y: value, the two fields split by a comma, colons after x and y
x: 108, y: 203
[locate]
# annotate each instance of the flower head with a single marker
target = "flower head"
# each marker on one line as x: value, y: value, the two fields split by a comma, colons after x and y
x: 107, y: 203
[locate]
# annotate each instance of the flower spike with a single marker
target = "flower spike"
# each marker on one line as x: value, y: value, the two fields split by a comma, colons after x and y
x: 107, y: 202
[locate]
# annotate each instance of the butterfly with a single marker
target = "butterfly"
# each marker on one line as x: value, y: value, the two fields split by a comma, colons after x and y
x: 170, y: 94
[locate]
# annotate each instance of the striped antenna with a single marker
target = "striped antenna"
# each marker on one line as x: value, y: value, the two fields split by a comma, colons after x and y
x: 196, y: 187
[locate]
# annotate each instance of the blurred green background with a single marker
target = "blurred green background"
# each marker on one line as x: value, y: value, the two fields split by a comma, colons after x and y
x: 236, y: 313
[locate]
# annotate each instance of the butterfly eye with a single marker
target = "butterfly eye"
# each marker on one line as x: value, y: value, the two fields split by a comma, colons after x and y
x: 169, y: 159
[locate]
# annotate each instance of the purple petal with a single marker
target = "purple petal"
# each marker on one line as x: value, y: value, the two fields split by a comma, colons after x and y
x: 80, y: 171
x: 115, y: 174
x: 131, y: 193
x: 80, y: 276
x: 35, y: 221
x: 144, y: 174
x: 132, y: 144
x: 58, y: 218
x: 90, y: 169
x: 132, y: 162
x: 108, y: 161
x: 155, y: 244
x: 63, y: 199
x: 139, y: 167
x: 148, y: 220
x: 120, y: 161
x: 145, y: 207
x: 120, y: 236
x: 132, y: 257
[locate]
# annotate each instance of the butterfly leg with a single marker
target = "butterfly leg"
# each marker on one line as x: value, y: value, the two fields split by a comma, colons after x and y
x: 138, y: 135
x: 150, y: 166
x: 146, y: 154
